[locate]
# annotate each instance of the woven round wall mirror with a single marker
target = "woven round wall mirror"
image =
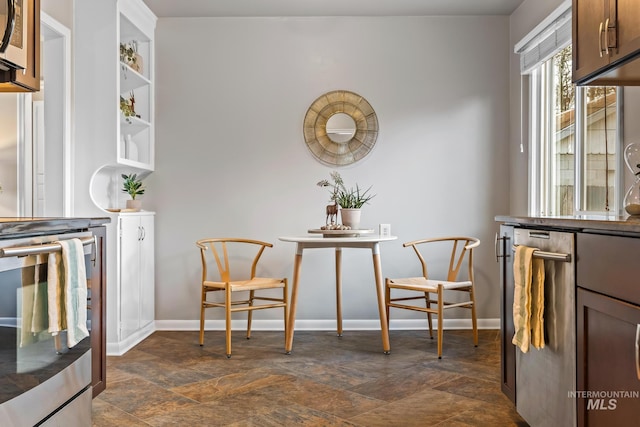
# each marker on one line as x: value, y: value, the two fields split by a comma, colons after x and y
x: 340, y: 128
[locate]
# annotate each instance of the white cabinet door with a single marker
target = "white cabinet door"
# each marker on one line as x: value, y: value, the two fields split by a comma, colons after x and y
x: 129, y: 274
x: 136, y: 273
x: 147, y: 281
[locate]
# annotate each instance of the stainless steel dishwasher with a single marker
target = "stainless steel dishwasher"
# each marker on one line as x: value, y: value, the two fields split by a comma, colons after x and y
x: 545, y: 376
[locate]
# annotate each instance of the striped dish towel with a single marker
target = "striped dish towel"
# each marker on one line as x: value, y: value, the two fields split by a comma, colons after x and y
x: 67, y: 289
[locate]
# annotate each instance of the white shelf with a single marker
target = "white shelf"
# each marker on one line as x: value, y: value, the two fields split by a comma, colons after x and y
x: 132, y: 125
x: 130, y: 79
x: 136, y: 27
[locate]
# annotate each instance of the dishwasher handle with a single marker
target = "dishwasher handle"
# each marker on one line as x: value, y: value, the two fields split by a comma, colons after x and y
x: 496, y: 248
x: 551, y: 256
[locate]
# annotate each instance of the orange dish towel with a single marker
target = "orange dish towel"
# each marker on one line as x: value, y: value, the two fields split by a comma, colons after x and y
x: 528, y: 299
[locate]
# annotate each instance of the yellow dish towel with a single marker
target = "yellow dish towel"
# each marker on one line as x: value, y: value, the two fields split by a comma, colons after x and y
x: 34, y: 307
x: 528, y: 299
x: 68, y: 292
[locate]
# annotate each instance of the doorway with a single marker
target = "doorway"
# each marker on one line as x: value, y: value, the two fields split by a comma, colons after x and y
x: 45, y: 167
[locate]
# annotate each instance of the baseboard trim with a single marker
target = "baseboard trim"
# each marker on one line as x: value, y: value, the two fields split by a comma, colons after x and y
x: 322, y: 325
x: 121, y: 347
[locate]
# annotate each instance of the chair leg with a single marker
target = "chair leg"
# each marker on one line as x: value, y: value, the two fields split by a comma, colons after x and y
x: 202, y: 300
x: 474, y: 321
x: 250, y: 314
x: 285, y: 298
x: 227, y: 308
x: 387, y: 299
x: 440, y: 319
x: 428, y: 304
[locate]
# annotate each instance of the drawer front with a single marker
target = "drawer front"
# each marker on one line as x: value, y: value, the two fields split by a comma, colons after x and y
x: 609, y: 265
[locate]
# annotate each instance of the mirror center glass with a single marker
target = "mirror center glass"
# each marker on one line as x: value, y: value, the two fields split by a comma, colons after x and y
x: 341, y: 127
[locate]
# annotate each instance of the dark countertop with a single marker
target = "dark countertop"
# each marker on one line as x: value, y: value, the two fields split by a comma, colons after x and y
x: 605, y: 224
x: 32, y: 226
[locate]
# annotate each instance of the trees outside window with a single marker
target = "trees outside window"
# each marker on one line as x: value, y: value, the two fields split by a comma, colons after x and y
x: 576, y: 143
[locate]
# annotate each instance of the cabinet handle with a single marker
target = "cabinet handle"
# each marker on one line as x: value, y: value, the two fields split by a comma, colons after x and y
x: 606, y: 37
x: 638, y: 350
x: 144, y: 233
x: 94, y: 256
x: 600, y: 39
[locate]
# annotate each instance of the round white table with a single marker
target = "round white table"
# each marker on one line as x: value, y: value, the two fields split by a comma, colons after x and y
x: 317, y: 241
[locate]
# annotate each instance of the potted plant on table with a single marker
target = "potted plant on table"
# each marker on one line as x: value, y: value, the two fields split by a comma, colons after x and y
x: 350, y: 200
x: 132, y: 185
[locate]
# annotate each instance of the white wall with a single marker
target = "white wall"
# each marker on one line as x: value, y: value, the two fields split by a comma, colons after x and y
x: 231, y: 159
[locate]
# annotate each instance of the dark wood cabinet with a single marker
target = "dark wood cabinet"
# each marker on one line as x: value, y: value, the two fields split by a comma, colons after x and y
x: 97, y: 304
x: 29, y: 79
x: 606, y: 42
x: 507, y: 349
x: 608, y: 330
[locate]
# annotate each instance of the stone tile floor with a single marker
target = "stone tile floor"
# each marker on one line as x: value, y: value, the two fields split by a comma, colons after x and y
x: 169, y: 380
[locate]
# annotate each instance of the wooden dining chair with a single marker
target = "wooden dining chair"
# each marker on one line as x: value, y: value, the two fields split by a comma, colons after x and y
x: 225, y: 252
x: 458, y: 249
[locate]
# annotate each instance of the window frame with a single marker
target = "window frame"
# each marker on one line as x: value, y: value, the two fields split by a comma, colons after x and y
x: 541, y: 170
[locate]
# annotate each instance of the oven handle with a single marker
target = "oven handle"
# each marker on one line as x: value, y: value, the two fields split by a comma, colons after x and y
x: 46, y: 248
x: 552, y: 256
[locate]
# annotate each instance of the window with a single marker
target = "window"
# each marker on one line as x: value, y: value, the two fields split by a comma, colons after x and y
x: 575, y: 144
x: 575, y: 141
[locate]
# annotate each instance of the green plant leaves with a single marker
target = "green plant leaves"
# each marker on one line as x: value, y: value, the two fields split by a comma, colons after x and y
x: 132, y: 185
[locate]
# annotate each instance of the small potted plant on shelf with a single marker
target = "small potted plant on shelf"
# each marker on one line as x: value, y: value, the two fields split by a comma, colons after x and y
x: 133, y: 186
x: 350, y: 200
x: 129, y: 55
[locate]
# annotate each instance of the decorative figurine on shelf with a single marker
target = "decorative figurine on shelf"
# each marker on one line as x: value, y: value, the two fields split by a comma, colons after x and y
x: 128, y: 107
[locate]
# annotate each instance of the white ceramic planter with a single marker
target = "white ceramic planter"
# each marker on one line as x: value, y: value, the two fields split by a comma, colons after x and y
x: 134, y: 204
x: 351, y: 217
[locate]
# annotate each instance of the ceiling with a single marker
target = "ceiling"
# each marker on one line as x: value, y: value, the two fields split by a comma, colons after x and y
x: 278, y: 8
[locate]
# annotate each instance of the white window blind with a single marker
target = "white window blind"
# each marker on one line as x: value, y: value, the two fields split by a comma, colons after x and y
x: 545, y: 40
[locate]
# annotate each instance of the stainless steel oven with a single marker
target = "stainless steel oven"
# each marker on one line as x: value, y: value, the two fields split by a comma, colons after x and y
x: 42, y: 380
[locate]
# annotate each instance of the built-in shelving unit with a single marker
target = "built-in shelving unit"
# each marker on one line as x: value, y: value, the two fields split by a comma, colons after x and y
x: 116, y: 40
x: 136, y: 143
x: 133, y: 148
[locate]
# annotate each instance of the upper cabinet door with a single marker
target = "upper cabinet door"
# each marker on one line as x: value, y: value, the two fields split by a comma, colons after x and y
x: 627, y: 34
x: 606, y: 42
x: 588, y: 35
